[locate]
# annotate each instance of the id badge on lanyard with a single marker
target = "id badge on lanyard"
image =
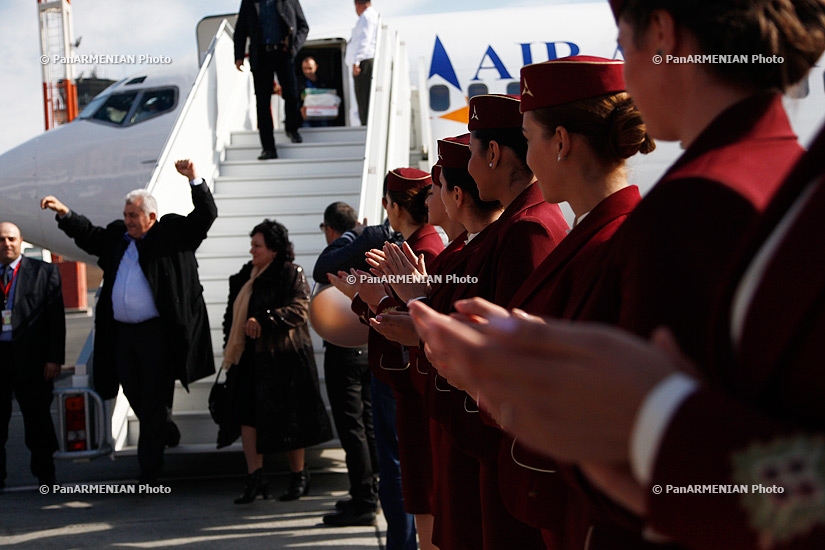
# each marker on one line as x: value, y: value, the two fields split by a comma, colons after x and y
x: 6, y: 313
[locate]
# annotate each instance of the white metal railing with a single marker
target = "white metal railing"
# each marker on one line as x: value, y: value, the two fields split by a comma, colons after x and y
x: 400, y: 115
x: 221, y: 101
x: 388, y: 125
x: 425, y: 131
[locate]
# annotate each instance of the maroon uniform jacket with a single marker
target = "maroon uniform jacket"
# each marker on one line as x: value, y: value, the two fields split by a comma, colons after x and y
x: 516, y: 244
x: 665, y: 261
x: 664, y: 264
x: 510, y: 249
x: 412, y: 423
x: 530, y: 485
x: 760, y: 419
x: 455, y: 506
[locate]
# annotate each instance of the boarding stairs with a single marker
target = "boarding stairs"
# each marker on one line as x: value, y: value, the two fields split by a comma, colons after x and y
x: 345, y: 163
x: 294, y: 190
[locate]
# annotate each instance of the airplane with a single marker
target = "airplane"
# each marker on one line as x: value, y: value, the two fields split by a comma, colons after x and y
x: 118, y: 142
x: 95, y: 160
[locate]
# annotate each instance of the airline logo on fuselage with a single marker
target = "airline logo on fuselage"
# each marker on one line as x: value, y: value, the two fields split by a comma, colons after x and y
x: 442, y: 66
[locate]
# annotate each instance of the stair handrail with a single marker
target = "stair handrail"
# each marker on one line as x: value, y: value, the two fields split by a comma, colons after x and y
x: 388, y: 124
x: 220, y: 101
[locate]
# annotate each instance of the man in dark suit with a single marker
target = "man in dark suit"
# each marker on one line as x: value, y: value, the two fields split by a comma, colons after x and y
x: 151, y: 324
x: 32, y: 348
x: 276, y: 30
x: 349, y: 385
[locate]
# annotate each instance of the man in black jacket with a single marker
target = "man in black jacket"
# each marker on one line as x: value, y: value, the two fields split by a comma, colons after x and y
x: 32, y: 348
x: 151, y: 324
x: 349, y: 384
x: 276, y: 30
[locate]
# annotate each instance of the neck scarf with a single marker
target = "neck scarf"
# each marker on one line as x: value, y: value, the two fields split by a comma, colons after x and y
x: 237, y: 333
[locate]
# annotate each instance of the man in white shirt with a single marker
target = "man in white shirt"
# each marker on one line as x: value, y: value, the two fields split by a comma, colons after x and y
x: 151, y: 324
x: 361, y: 51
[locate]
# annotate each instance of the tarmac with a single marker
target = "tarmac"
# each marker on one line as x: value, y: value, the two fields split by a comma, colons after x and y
x: 99, y: 504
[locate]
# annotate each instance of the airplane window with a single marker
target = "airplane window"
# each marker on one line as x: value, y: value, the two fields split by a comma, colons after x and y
x: 439, y: 98
x: 93, y: 106
x: 513, y: 88
x: 137, y: 80
x: 154, y: 103
x: 476, y: 89
x: 115, y: 108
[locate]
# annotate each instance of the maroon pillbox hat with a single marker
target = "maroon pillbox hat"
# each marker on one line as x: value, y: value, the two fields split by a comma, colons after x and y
x: 494, y: 111
x: 404, y: 179
x: 616, y: 6
x: 569, y: 79
x: 436, y: 174
x: 454, y: 152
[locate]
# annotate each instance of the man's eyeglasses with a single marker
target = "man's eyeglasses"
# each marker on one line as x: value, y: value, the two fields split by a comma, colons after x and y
x: 322, y: 226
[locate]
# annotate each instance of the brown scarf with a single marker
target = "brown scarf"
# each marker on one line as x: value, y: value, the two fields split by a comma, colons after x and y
x: 237, y: 333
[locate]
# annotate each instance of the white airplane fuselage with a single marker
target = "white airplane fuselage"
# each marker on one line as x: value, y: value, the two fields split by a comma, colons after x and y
x: 91, y: 164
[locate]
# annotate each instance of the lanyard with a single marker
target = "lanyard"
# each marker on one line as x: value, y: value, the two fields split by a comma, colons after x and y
x: 7, y: 287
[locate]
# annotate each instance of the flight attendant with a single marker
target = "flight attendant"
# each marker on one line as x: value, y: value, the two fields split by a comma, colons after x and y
x: 755, y: 431
x: 579, y: 137
x: 664, y: 263
x: 458, y: 519
x: 529, y: 227
x: 512, y: 248
x: 456, y: 509
x: 405, y: 193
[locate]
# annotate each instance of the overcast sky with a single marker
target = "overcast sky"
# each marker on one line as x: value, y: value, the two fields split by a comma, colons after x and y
x: 149, y: 27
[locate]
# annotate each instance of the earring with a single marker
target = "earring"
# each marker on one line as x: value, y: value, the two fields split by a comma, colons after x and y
x: 490, y: 165
x: 558, y: 159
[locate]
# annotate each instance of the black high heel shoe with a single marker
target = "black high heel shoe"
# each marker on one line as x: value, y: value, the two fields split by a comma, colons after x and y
x: 256, y: 484
x: 298, y: 486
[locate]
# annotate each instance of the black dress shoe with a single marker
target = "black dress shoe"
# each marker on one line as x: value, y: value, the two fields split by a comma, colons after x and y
x: 295, y: 137
x: 268, y: 154
x: 350, y: 516
x: 298, y: 486
x: 256, y: 484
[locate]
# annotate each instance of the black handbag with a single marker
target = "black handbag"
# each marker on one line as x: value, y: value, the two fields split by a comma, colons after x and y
x: 220, y: 407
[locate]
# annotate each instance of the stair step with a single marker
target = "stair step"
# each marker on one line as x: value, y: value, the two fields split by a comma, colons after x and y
x: 299, y: 222
x: 269, y: 206
x: 288, y: 168
x: 299, y: 151
x: 311, y: 135
x: 277, y: 187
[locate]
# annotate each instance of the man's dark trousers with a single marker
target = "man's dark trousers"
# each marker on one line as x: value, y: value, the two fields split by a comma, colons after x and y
x: 348, y: 380
x: 34, y: 396
x: 270, y: 63
x: 145, y: 370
